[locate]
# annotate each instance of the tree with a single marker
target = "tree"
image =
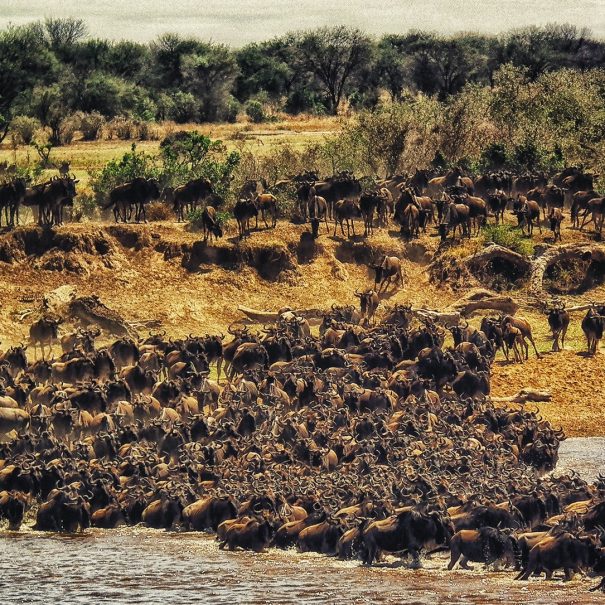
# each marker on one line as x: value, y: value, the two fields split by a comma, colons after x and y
x: 384, y: 137
x: 264, y: 68
x: 63, y: 33
x: 445, y: 65
x: 334, y: 55
x: 209, y: 73
x: 24, y: 62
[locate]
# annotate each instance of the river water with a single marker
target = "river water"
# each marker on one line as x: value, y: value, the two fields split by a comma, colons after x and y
x: 135, y: 565
x: 237, y: 22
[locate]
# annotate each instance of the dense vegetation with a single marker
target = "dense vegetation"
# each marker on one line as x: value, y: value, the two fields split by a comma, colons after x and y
x: 530, y: 99
x: 52, y: 69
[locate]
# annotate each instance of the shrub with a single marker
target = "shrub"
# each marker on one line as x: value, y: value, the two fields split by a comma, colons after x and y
x: 91, y: 125
x: 509, y: 237
x: 231, y: 110
x: 68, y: 128
x: 85, y: 206
x: 256, y: 112
x: 123, y: 128
x: 24, y: 129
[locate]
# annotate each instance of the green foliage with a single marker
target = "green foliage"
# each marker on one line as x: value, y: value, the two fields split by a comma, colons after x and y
x: 131, y: 165
x: 24, y: 129
x: 509, y: 237
x: 255, y: 110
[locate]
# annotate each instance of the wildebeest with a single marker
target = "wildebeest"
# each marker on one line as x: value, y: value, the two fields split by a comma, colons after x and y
x: 388, y: 271
x: 243, y: 211
x: 50, y: 198
x: 454, y: 216
x: 592, y: 326
x: 11, y: 197
x: 527, y: 212
x: 210, y: 223
x: 555, y: 218
x: 558, y: 322
x: 346, y: 211
x: 136, y: 193
x: 497, y: 202
x: 187, y: 197
x: 44, y: 332
x: 485, y: 545
x: 368, y: 302
x: 266, y: 203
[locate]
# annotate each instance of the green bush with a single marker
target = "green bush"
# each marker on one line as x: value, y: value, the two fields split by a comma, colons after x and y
x: 255, y: 110
x: 509, y: 237
x: 24, y: 129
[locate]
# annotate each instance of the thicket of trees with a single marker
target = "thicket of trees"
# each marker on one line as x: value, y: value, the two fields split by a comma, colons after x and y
x: 53, y: 72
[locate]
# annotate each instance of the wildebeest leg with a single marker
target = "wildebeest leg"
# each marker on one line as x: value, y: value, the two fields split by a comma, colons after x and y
x: 464, y: 563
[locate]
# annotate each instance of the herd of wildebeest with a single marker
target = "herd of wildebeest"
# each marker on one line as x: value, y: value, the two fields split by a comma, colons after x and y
x: 365, y: 439
x: 451, y: 201
x: 369, y: 438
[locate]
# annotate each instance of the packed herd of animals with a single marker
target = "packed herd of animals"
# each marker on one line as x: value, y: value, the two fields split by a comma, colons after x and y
x: 366, y: 440
x: 451, y: 202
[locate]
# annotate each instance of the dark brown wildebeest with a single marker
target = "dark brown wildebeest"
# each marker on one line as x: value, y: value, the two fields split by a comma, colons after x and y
x: 527, y: 213
x: 563, y: 551
x: 558, y: 322
x: 346, y: 211
x: 50, y: 198
x: 342, y: 186
x: 210, y: 224
x: 485, y: 545
x: 369, y: 203
x: 409, y: 530
x: 525, y: 182
x: 44, y: 332
x: 368, y: 302
x: 388, y: 271
x: 136, y: 193
x: 579, y: 203
x: 555, y: 218
x: 497, y: 202
x: 266, y: 203
x: 547, y: 197
x: 593, y: 325
x: 243, y: 211
x: 187, y: 197
x: 11, y: 197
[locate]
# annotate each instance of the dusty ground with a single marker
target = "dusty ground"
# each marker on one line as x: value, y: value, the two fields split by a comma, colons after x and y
x: 140, y: 275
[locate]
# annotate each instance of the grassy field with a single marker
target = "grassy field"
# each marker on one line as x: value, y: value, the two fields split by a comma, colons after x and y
x: 84, y: 156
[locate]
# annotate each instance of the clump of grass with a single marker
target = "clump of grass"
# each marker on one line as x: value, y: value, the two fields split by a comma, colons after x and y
x: 509, y: 237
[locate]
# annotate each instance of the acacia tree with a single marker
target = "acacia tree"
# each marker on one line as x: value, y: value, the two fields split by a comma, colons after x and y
x: 334, y: 55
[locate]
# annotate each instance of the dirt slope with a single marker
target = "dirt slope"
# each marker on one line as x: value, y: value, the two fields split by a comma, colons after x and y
x: 162, y: 272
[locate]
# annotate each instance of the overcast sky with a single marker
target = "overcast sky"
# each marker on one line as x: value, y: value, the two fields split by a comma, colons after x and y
x: 237, y: 22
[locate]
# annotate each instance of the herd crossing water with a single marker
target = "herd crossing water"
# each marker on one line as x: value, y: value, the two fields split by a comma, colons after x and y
x: 183, y: 568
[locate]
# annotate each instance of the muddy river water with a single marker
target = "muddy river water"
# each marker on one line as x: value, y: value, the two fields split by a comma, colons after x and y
x: 133, y: 565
